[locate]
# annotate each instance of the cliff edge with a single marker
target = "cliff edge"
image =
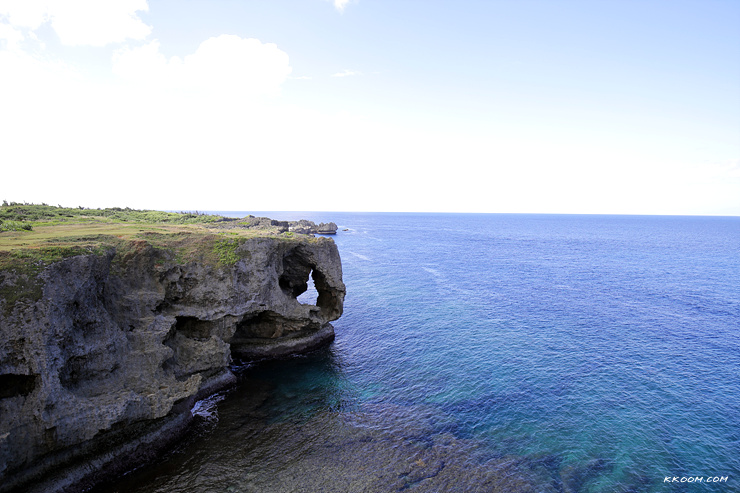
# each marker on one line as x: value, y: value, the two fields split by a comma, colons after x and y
x: 104, y: 352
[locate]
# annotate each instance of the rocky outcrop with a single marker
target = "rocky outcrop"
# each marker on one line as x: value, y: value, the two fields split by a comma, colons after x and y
x: 326, y: 228
x: 103, y: 369
x: 309, y: 227
x: 302, y: 226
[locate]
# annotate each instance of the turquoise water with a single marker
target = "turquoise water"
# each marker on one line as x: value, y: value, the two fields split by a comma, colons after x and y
x: 604, y: 345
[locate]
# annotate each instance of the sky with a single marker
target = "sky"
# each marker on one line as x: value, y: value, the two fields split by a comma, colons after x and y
x: 526, y: 106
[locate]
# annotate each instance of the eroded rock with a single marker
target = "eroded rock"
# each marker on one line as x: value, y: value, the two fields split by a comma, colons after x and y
x: 106, y: 365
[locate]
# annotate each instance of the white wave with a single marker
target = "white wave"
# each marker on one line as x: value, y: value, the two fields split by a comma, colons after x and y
x: 208, y: 408
x: 360, y: 256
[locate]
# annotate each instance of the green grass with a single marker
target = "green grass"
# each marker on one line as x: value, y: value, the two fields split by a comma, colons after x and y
x: 225, y: 250
x: 32, y: 225
x: 34, y: 236
x: 50, y: 215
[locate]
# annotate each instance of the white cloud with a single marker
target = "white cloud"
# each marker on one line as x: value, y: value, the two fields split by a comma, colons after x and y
x: 242, y: 67
x: 26, y: 13
x: 346, y: 73
x: 10, y: 35
x: 193, y: 123
x: 142, y: 64
x: 80, y: 22
x: 340, y: 4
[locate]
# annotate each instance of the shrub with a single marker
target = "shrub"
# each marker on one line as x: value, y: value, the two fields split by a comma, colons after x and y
x: 15, y: 226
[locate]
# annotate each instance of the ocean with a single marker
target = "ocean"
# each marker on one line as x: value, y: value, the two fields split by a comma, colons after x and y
x: 495, y: 352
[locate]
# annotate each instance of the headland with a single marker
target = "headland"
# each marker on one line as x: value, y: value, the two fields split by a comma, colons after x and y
x: 114, y: 322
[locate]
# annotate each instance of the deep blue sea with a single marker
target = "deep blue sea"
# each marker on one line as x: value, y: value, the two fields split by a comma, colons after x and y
x: 605, y: 350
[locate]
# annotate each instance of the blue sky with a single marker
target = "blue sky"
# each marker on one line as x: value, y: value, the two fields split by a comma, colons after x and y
x: 623, y: 107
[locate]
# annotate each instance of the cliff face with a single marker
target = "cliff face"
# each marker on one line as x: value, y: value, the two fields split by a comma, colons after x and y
x: 105, y: 366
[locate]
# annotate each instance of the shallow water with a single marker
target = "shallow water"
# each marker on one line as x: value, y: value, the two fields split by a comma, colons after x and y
x: 519, y: 352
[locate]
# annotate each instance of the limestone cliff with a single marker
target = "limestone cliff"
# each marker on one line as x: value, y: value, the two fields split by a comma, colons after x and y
x: 102, y: 368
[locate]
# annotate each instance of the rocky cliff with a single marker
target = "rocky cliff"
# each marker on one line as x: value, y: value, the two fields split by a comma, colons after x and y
x: 100, y: 368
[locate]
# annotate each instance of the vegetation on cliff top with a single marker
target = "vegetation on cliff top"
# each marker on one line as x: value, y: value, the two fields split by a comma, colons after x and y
x: 35, y: 226
x: 34, y: 236
x: 44, y: 214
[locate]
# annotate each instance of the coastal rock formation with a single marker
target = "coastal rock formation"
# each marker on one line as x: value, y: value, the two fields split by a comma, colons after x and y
x: 302, y: 226
x: 309, y: 227
x: 103, y: 368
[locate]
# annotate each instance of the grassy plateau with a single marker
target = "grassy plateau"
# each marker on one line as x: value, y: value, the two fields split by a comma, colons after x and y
x: 33, y: 236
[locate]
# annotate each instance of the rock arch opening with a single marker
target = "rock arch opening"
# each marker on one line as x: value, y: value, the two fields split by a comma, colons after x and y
x: 310, y: 296
x: 302, y: 280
